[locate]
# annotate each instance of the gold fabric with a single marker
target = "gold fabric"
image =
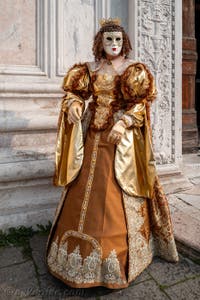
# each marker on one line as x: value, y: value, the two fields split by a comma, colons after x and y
x: 113, y: 216
x: 69, y: 148
x: 134, y: 161
x: 69, y: 152
x: 135, y: 172
x: 77, y: 80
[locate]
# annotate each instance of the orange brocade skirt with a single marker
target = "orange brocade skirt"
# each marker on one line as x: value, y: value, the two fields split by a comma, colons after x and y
x: 89, y: 245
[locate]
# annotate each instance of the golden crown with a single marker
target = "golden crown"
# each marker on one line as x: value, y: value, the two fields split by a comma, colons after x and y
x: 110, y: 21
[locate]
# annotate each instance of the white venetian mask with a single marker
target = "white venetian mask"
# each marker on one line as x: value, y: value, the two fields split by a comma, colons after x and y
x: 112, y: 42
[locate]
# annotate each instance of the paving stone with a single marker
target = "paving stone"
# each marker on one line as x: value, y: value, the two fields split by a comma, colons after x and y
x: 177, y: 204
x: 142, y: 277
x: 193, y: 200
x: 191, y: 165
x: 10, y: 255
x: 166, y: 273
x: 38, y: 246
x: 147, y: 290
x: 77, y: 298
x: 31, y: 298
x: 194, y: 191
x: 53, y: 289
x: 195, y: 180
x: 186, y: 223
x: 191, y: 158
x: 188, y: 290
x: 18, y: 281
x: 186, y: 229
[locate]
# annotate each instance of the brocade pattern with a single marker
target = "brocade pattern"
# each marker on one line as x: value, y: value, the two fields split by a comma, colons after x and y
x: 140, y: 247
x: 161, y: 224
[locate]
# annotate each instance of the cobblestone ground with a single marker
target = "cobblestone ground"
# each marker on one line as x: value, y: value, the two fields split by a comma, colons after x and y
x: 28, y: 278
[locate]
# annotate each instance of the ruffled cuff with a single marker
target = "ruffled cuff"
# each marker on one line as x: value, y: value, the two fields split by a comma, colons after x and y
x: 69, y: 99
x: 127, y: 120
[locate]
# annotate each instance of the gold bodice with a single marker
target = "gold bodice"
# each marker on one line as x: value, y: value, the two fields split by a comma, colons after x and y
x: 107, y: 91
x: 112, y: 90
x: 106, y: 97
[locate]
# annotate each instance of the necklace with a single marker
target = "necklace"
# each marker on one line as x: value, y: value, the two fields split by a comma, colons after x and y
x: 109, y: 62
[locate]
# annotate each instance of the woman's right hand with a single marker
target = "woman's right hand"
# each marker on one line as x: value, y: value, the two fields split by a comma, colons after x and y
x: 74, y: 112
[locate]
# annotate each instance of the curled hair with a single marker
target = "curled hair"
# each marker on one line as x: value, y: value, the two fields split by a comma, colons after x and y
x: 98, y: 49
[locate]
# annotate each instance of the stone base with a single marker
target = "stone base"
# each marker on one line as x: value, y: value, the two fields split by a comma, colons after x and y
x: 173, y: 180
x: 28, y: 206
x: 28, y: 202
x: 186, y: 250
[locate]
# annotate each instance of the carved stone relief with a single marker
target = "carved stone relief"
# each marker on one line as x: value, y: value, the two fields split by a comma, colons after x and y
x: 156, y: 48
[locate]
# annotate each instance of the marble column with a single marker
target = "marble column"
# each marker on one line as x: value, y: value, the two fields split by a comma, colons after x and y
x: 156, y: 30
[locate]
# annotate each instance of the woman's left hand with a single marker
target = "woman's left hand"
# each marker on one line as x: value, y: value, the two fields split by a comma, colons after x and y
x: 116, y: 133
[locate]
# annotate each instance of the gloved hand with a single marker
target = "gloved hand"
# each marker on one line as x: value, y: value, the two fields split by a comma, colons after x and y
x: 74, y: 112
x: 117, y: 132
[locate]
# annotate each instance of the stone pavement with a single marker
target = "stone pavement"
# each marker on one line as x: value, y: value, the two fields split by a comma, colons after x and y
x: 27, y: 278
x: 185, y: 209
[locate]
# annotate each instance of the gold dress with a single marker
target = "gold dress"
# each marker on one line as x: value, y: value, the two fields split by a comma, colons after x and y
x: 113, y: 216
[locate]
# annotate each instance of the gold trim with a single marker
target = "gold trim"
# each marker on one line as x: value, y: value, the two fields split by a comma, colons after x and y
x: 73, y: 267
x: 141, y: 251
x: 95, y: 244
x: 110, y: 21
x: 89, y: 182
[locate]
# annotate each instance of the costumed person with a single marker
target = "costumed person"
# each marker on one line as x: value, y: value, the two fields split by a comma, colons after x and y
x: 113, y: 216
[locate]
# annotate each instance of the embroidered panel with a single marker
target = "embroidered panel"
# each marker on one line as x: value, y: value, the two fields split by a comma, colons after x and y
x: 140, y: 248
x: 72, y: 266
x: 58, y: 210
x: 89, y: 182
x: 161, y: 224
x: 102, y: 114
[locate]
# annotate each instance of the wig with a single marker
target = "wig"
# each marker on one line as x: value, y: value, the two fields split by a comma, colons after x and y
x: 97, y: 48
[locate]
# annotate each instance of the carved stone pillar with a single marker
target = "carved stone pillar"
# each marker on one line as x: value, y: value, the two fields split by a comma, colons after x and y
x: 190, y: 133
x: 156, y: 42
x: 156, y: 32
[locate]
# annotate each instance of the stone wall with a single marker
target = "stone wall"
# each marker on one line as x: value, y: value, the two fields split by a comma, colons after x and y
x: 40, y: 40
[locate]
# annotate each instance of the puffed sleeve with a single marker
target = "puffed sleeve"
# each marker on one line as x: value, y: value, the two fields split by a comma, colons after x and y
x: 76, y: 85
x: 69, y: 146
x: 138, y: 88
